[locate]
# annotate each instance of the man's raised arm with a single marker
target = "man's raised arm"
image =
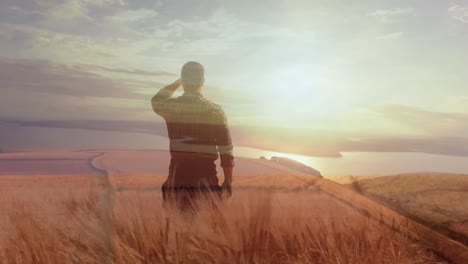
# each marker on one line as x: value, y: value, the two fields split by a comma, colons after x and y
x: 159, y: 101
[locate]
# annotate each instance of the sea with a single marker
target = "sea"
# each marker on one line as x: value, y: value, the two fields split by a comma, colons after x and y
x: 14, y: 137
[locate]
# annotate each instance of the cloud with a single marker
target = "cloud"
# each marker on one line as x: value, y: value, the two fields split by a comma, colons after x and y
x: 451, y: 146
x: 52, y: 78
x: 34, y: 86
x: 28, y: 105
x: 41, y: 89
x: 66, y: 12
x: 438, y: 124
x: 393, y: 35
x: 60, y: 13
x: 94, y: 68
x: 83, y: 3
x: 437, y: 133
x: 407, y: 129
x: 104, y: 2
x: 217, y: 34
x: 25, y: 41
x: 459, y: 12
x: 133, y: 15
x: 391, y: 15
x: 134, y: 24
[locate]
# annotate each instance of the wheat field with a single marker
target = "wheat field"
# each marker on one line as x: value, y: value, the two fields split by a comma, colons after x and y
x: 115, y: 215
x: 255, y: 226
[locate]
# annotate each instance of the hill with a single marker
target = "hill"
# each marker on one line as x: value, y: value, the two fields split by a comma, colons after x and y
x: 438, y: 200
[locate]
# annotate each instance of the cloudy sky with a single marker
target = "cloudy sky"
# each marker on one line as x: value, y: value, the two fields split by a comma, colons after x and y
x: 375, y: 75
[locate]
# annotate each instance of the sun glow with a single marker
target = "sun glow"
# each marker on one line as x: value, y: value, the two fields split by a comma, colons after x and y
x: 293, y: 96
x: 292, y: 84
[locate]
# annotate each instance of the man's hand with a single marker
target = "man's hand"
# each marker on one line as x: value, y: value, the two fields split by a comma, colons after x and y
x: 173, y: 86
x: 227, y: 189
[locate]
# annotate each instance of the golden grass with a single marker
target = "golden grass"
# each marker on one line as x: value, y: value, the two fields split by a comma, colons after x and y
x: 252, y: 227
x: 436, y: 199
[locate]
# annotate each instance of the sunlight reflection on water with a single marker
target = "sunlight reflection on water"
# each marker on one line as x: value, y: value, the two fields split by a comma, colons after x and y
x: 371, y: 163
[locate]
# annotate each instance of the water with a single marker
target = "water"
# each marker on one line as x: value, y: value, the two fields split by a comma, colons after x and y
x: 379, y: 163
x: 14, y: 137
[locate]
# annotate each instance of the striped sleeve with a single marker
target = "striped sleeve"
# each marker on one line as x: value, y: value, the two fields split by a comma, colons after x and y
x: 223, y: 141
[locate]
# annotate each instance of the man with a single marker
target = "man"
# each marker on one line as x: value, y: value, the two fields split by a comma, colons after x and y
x: 198, y: 134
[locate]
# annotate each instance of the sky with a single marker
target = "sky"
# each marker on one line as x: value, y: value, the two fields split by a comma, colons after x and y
x: 306, y: 77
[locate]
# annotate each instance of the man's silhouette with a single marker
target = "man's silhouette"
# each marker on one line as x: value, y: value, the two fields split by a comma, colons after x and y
x: 198, y: 134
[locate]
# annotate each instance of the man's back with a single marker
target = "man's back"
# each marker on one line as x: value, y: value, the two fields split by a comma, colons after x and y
x: 198, y: 134
x: 197, y: 127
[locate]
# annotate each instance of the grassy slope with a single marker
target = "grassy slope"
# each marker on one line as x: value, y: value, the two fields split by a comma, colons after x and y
x: 437, y: 200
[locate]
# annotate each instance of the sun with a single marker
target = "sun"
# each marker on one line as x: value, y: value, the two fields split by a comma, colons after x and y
x: 293, y: 84
x: 296, y: 96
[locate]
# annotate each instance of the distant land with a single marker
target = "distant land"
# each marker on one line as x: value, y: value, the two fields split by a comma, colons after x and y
x: 242, y: 135
x: 312, y: 143
x: 91, y: 134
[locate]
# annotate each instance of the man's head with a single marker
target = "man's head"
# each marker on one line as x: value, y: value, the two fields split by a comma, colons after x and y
x: 192, y: 76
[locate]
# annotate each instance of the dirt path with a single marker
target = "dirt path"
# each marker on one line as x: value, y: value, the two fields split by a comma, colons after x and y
x: 107, y: 203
